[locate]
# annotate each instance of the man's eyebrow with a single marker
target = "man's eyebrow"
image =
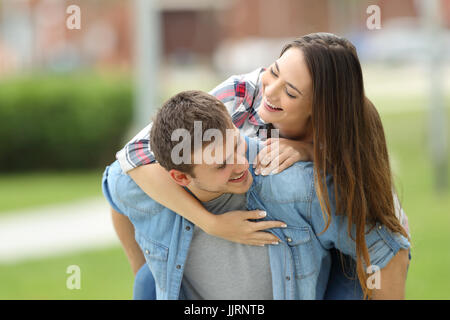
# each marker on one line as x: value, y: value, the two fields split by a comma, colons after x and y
x: 288, y: 83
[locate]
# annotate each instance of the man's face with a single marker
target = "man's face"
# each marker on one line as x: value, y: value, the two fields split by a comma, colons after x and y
x: 224, y: 168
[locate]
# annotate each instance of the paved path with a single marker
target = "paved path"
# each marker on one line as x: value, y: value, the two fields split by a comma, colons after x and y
x: 56, y: 230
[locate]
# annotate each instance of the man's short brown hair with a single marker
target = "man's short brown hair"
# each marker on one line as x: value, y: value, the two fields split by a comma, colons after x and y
x: 180, y: 112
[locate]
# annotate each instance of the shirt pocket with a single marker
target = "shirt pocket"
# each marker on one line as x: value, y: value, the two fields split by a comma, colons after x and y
x: 156, y: 256
x: 300, y: 244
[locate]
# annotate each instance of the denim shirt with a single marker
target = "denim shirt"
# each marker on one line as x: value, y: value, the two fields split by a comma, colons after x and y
x: 300, y: 264
x: 303, y: 258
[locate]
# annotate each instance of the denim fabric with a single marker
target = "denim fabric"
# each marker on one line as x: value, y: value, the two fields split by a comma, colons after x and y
x: 343, y: 283
x: 300, y: 265
x: 144, y: 285
x: 290, y: 196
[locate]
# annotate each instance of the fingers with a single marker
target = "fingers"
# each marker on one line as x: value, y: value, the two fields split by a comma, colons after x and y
x: 259, y: 156
x: 277, y: 155
x: 270, y: 153
x: 255, y: 214
x: 259, y: 226
x: 281, y: 162
x: 271, y: 140
x: 263, y: 238
x: 263, y: 225
x: 266, y: 156
x: 284, y: 165
x: 259, y: 243
x: 275, y: 164
x: 260, y: 237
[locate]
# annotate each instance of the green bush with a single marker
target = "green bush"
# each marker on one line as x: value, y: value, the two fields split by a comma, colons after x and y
x: 62, y: 121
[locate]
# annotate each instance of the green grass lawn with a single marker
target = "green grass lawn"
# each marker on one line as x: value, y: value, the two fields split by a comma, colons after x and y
x: 428, y: 211
x: 26, y: 190
x: 106, y: 274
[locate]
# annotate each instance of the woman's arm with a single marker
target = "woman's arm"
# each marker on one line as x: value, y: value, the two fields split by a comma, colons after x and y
x: 393, y: 278
x: 137, y: 160
x: 234, y: 226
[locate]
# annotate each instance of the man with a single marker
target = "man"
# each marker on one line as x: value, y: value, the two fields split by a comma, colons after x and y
x: 187, y: 263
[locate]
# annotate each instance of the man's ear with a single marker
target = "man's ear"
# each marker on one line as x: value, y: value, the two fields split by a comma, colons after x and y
x: 180, y: 177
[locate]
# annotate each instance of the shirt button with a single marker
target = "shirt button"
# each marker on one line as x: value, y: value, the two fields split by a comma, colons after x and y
x: 288, y: 239
x: 288, y: 278
x: 188, y: 228
x: 379, y: 227
x: 178, y: 266
x: 147, y: 252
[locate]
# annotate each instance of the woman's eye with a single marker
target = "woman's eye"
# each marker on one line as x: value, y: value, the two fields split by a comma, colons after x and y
x: 273, y: 73
x: 276, y: 76
x: 290, y: 95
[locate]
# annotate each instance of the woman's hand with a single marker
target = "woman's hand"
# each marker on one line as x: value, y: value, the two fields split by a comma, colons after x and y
x: 236, y: 227
x: 279, y: 154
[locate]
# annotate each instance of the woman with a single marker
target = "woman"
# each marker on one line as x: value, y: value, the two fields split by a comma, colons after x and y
x: 314, y: 95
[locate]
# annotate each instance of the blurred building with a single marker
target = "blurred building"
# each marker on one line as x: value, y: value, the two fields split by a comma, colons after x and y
x: 35, y: 32
x: 224, y: 34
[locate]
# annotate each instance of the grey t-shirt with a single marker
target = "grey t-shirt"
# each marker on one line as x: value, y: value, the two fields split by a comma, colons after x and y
x: 217, y: 269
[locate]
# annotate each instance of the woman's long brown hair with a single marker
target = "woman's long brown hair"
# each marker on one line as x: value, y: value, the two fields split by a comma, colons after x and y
x: 349, y: 142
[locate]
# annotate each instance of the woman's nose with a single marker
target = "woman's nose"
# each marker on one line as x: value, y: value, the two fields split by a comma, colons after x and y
x: 271, y: 89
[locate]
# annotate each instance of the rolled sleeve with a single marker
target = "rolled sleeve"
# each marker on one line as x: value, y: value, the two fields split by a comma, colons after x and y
x: 381, y: 243
x: 384, y: 244
x: 137, y: 152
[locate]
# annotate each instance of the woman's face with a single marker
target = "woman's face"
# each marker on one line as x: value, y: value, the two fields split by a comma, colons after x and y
x: 287, y: 93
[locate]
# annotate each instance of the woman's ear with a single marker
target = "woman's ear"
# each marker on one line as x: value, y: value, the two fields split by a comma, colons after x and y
x: 180, y: 178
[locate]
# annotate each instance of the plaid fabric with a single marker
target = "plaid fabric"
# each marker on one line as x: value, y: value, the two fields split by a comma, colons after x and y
x: 240, y: 94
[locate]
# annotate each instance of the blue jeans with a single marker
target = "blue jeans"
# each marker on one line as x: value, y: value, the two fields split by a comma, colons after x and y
x: 144, y: 284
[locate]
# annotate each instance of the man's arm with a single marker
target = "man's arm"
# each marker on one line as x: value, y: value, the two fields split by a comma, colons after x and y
x: 125, y: 231
x: 393, y: 278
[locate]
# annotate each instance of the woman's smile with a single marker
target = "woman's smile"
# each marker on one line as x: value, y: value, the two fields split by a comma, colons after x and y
x: 271, y: 107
